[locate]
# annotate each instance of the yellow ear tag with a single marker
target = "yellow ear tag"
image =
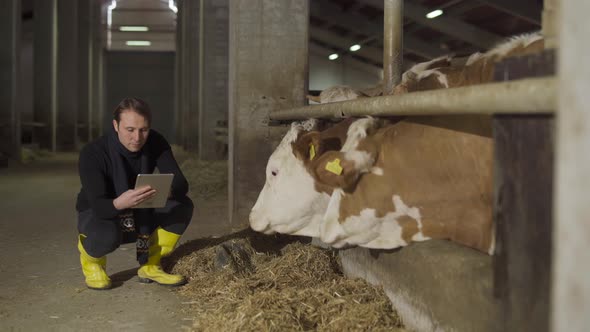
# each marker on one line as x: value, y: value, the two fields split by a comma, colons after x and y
x: 334, y: 166
x: 311, y: 151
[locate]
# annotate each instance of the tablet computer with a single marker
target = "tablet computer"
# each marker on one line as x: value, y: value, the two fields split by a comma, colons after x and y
x: 161, y: 182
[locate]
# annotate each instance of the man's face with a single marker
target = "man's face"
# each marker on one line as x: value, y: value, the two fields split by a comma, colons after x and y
x: 132, y: 129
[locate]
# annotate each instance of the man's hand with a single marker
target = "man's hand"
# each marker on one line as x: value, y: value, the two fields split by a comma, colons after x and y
x: 132, y: 197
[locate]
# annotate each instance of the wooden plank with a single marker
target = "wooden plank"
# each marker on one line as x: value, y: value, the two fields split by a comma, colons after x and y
x: 523, y: 205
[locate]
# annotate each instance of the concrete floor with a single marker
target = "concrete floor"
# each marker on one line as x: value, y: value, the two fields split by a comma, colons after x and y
x: 41, y: 284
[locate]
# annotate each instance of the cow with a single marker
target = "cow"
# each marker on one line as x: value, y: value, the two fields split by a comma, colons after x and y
x: 384, y: 184
x: 343, y: 93
x: 337, y: 93
x: 479, y: 67
x: 380, y: 184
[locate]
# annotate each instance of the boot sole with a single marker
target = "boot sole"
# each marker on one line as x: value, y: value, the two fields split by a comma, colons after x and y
x: 149, y: 281
x: 99, y: 289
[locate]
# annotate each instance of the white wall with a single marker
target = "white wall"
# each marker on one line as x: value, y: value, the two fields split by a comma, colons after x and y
x: 324, y: 73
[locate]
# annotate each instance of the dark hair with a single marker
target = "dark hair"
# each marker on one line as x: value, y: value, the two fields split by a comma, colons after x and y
x: 133, y: 104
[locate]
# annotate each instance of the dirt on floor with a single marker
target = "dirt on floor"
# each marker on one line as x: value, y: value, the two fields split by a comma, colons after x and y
x: 41, y: 284
x: 286, y: 285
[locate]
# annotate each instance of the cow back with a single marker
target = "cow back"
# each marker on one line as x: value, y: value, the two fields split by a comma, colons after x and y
x: 443, y: 172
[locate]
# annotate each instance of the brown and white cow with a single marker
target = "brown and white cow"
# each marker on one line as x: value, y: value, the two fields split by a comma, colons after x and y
x: 378, y: 184
x: 343, y: 93
x: 479, y: 67
x: 337, y: 93
x: 384, y: 185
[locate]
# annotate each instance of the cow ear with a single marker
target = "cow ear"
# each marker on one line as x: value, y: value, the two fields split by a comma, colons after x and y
x: 308, y: 146
x: 332, y: 169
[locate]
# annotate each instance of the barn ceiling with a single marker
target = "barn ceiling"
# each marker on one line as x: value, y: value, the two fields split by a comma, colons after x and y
x: 464, y: 27
x: 158, y: 16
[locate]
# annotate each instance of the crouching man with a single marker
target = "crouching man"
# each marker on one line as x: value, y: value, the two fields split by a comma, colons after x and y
x: 108, y: 168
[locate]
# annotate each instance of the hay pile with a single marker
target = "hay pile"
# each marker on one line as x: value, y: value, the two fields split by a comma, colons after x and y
x: 180, y: 154
x: 233, y: 287
x: 29, y: 155
x: 206, y: 179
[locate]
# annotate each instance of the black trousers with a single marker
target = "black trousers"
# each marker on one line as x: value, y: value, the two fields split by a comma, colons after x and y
x: 106, y: 235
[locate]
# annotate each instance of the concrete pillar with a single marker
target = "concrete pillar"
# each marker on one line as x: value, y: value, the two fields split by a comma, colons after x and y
x: 551, y: 19
x: 178, y: 128
x: 571, y: 251
x: 67, y: 74
x: 268, y: 71
x: 10, y: 23
x: 45, y: 68
x: 56, y: 73
x: 213, y: 78
x: 189, y: 74
x: 97, y: 77
x: 85, y: 78
x: 90, y: 77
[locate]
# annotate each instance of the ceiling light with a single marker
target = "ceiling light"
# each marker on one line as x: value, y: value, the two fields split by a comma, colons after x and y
x: 434, y: 13
x: 133, y: 28
x: 110, y: 9
x: 138, y: 43
x: 355, y: 47
x: 172, y: 6
x: 333, y: 56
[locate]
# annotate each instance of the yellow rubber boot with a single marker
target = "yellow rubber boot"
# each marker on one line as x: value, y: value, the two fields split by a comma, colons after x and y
x: 93, y: 269
x: 162, y: 243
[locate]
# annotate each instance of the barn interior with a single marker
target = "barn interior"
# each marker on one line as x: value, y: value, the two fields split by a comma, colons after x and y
x: 225, y: 80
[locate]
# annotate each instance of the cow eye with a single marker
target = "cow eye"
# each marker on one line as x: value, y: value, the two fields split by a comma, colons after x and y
x: 274, y: 173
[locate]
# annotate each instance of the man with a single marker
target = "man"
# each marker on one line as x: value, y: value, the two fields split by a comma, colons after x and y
x: 108, y: 168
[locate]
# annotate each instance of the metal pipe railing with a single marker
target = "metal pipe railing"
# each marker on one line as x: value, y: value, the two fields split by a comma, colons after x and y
x: 530, y: 96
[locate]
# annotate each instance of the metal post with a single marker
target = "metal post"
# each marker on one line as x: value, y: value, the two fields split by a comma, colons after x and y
x: 393, y: 32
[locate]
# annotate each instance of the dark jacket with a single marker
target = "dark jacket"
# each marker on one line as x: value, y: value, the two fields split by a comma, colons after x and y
x: 96, y: 174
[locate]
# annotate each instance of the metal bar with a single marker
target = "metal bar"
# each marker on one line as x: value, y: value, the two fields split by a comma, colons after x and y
x: 393, y: 32
x: 530, y: 96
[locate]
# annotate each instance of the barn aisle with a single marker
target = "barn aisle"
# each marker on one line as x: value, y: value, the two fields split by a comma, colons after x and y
x: 42, y: 287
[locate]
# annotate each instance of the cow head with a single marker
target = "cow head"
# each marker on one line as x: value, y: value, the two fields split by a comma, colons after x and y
x: 301, y: 175
x: 290, y: 202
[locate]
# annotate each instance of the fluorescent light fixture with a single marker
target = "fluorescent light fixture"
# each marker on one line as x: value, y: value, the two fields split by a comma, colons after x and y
x: 110, y: 8
x: 333, y: 56
x: 434, y: 13
x: 172, y: 6
x: 138, y: 43
x: 355, y: 47
x: 133, y: 28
